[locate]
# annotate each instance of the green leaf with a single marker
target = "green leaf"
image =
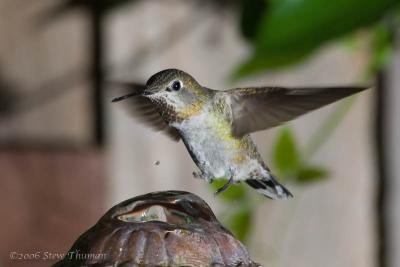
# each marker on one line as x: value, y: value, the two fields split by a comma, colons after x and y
x: 286, y: 155
x: 290, y: 30
x: 240, y: 223
x: 252, y: 13
x: 235, y: 192
x: 311, y: 174
x: 307, y: 23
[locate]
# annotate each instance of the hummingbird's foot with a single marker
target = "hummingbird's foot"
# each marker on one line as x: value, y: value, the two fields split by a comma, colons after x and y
x: 224, y: 187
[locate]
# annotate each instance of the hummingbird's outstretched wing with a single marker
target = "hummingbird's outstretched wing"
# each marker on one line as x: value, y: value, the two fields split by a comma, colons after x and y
x: 259, y: 108
x: 141, y: 108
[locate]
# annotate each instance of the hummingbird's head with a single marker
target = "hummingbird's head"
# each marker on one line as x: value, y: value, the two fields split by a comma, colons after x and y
x: 176, y: 89
x: 175, y: 94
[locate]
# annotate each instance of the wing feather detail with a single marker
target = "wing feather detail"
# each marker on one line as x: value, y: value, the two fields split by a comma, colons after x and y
x: 259, y: 108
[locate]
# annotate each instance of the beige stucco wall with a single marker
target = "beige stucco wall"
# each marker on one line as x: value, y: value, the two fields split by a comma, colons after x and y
x: 393, y: 134
x: 44, y: 61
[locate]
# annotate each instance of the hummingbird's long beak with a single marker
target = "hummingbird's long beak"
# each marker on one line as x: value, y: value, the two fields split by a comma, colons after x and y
x: 143, y: 93
x: 137, y: 89
x: 120, y: 98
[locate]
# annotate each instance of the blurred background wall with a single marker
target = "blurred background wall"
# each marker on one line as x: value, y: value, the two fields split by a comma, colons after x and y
x: 393, y: 110
x: 59, y: 175
x: 51, y: 177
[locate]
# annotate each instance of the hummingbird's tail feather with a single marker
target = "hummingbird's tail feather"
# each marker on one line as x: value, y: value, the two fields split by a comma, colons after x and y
x: 270, y: 188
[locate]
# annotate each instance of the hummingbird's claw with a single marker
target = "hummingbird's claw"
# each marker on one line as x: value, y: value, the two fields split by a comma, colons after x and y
x: 224, y: 187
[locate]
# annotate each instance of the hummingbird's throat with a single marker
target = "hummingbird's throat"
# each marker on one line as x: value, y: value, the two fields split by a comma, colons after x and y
x: 191, y: 110
x: 175, y: 110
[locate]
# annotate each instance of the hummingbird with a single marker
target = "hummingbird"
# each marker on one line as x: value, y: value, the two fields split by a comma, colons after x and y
x: 215, y: 125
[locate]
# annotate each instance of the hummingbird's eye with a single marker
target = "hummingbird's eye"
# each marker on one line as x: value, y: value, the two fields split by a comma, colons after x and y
x: 176, y: 85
